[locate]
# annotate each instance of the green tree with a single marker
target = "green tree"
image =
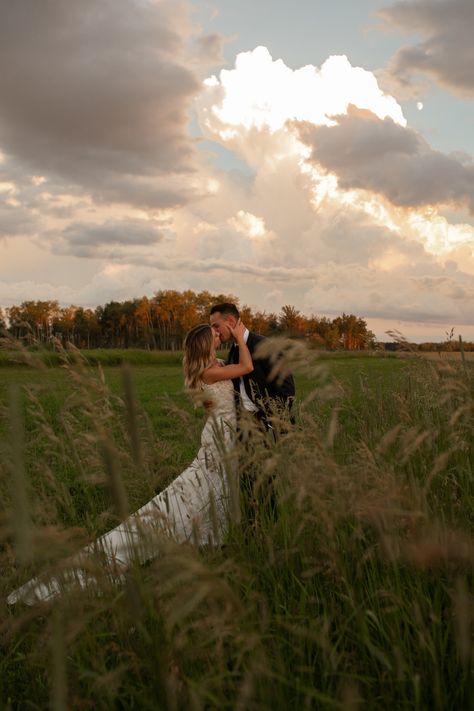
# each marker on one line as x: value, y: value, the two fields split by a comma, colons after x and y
x: 86, y: 328
x: 111, y: 324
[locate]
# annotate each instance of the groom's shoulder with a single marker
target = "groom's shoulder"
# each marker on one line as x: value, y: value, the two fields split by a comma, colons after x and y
x: 254, y: 340
x: 256, y: 337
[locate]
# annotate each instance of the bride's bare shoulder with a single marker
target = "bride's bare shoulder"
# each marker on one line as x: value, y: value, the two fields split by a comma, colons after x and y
x: 207, y: 376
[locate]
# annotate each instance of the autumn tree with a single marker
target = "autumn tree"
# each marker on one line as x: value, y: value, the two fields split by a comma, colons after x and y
x: 292, y: 322
x: 165, y: 305
x: 246, y: 315
x: 33, y: 320
x: 144, y: 319
x: 63, y: 324
x: 353, y: 331
x: 261, y: 322
x: 203, y: 302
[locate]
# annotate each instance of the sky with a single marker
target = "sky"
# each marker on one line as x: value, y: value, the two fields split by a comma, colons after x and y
x: 311, y: 153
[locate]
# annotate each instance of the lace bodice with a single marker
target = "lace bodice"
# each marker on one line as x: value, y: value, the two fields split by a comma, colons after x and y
x: 222, y: 396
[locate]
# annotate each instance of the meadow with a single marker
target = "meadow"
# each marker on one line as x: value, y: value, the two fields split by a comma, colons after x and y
x: 358, y: 594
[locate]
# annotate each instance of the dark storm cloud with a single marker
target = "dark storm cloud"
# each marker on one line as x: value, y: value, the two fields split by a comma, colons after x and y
x: 97, y: 92
x: 89, y: 240
x: 447, y: 53
x: 368, y: 153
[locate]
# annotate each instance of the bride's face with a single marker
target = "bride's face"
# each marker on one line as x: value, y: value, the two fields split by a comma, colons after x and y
x: 221, y: 324
x: 216, y: 340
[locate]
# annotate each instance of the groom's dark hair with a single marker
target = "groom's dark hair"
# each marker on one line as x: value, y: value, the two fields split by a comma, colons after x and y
x: 226, y: 310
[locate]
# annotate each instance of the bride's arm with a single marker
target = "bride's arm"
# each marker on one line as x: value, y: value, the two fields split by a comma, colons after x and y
x: 229, y: 372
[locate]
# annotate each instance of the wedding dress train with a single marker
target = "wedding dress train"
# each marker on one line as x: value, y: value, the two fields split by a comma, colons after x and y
x: 194, y: 507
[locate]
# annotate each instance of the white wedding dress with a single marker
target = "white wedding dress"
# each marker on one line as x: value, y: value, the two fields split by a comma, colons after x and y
x: 194, y: 508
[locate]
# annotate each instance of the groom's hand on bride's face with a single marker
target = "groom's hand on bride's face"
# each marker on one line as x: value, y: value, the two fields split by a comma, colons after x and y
x: 226, y: 328
x: 216, y: 332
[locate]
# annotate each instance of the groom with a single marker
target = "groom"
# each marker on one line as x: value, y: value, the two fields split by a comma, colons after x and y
x: 261, y: 392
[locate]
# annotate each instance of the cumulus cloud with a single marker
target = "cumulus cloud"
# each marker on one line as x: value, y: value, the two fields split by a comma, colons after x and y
x: 263, y: 130
x: 262, y: 93
x: 447, y: 53
x: 98, y: 93
x: 385, y: 158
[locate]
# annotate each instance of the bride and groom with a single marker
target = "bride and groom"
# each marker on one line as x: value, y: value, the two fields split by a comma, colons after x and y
x: 195, y: 506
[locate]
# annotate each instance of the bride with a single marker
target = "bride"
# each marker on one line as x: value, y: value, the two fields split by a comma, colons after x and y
x: 194, y: 507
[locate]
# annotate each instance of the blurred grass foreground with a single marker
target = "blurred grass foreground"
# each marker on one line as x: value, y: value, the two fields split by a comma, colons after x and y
x: 357, y: 594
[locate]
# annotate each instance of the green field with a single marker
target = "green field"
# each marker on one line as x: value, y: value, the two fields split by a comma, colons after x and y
x: 359, y: 594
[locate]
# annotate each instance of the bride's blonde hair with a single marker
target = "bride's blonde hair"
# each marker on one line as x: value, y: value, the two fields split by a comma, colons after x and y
x: 197, y: 354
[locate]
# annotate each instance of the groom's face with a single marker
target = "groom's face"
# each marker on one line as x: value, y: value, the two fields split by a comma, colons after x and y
x: 220, y: 324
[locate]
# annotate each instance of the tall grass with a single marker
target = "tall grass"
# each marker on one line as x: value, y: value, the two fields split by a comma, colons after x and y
x: 356, y: 593
x: 12, y: 356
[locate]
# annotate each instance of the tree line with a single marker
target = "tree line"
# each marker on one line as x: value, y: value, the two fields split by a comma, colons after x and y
x: 160, y: 322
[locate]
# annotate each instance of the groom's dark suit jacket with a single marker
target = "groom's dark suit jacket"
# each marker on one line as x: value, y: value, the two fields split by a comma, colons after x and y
x: 259, y: 387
